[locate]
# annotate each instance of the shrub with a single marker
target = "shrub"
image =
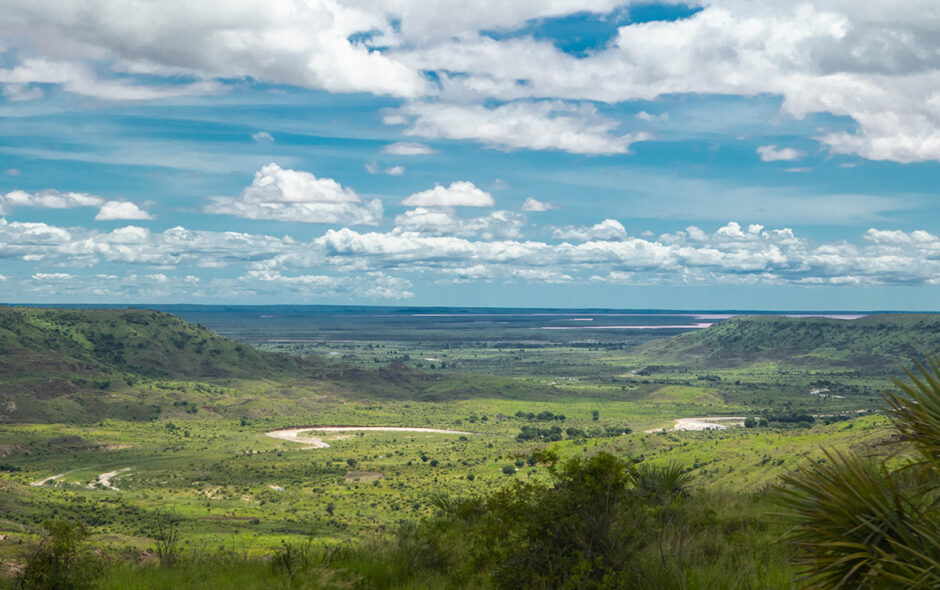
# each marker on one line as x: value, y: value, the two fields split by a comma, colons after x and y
x: 859, y: 523
x: 59, y: 561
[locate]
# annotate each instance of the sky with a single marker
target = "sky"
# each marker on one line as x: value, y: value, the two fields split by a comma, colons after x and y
x: 719, y: 154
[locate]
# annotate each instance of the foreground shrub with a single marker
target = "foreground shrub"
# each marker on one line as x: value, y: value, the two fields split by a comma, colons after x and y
x: 60, y: 560
x: 859, y: 523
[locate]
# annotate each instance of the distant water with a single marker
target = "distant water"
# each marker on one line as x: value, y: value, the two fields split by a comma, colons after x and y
x: 312, y: 323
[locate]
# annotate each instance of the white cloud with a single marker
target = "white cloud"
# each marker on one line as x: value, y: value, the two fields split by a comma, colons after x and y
x: 262, y: 137
x: 458, y: 194
x: 55, y: 276
x: 12, y: 172
x: 289, y: 195
x: 395, y: 170
x: 498, y: 224
x: 770, y: 153
x: 644, y: 116
x: 304, y: 44
x: 873, y: 62
x: 117, y: 210
x: 47, y: 199
x: 609, y: 229
x: 372, y: 285
x: 541, y: 125
x: 534, y: 205
x: 442, y: 247
x: 862, y: 60
x: 80, y: 78
x: 404, y: 148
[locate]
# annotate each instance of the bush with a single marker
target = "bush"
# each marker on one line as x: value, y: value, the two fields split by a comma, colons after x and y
x: 60, y: 560
x: 858, y: 523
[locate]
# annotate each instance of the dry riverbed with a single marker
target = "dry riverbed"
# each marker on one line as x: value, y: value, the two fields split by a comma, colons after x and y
x: 703, y: 423
x: 313, y: 442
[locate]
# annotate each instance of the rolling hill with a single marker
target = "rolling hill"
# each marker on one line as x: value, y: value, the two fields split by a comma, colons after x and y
x: 81, y: 365
x: 873, y: 343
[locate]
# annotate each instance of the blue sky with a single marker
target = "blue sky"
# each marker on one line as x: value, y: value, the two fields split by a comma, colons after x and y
x: 702, y: 155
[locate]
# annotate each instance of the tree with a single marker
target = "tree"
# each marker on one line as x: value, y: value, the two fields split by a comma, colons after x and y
x: 167, y: 537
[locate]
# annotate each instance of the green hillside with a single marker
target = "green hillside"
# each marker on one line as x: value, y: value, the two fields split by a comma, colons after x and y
x: 96, y: 343
x: 68, y: 365
x: 78, y: 365
x: 872, y: 343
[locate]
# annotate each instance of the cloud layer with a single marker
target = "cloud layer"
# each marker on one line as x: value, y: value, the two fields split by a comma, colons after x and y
x: 439, y: 247
x: 874, y: 63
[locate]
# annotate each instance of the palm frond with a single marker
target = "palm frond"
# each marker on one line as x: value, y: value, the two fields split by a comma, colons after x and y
x: 857, y: 529
x: 915, y: 409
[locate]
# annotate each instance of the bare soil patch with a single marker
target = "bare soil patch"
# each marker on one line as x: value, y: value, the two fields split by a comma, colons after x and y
x: 364, y: 476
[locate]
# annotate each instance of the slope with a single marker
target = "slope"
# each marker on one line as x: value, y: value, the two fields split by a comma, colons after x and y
x: 872, y: 344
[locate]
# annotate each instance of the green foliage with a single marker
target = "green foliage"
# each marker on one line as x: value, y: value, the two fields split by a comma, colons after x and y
x: 661, y: 482
x: 858, y: 527
x: 60, y: 560
x: 863, y: 524
x: 915, y: 410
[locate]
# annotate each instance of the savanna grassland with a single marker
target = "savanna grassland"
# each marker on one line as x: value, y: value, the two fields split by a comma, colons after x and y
x: 141, y: 429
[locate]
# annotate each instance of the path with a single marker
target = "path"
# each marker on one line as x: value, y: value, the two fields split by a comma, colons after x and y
x: 703, y: 423
x: 293, y: 434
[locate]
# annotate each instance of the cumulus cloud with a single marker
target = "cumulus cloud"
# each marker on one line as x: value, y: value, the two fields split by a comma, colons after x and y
x: 540, y: 125
x: 118, y: 210
x: 609, y: 229
x: 395, y: 170
x: 534, y: 205
x: 770, y: 153
x: 458, y: 194
x: 441, y: 247
x: 863, y: 61
x: 47, y: 199
x: 404, y: 148
x: 871, y: 62
x: 304, y: 44
x: 288, y: 195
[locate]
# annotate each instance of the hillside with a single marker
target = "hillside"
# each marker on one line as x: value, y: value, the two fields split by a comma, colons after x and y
x: 98, y: 343
x: 81, y: 365
x: 873, y: 343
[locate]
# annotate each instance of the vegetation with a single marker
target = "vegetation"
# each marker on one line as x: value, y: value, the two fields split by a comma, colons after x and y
x: 563, y: 468
x: 864, y: 523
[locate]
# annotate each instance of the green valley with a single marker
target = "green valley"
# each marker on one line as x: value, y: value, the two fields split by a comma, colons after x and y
x: 133, y: 423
